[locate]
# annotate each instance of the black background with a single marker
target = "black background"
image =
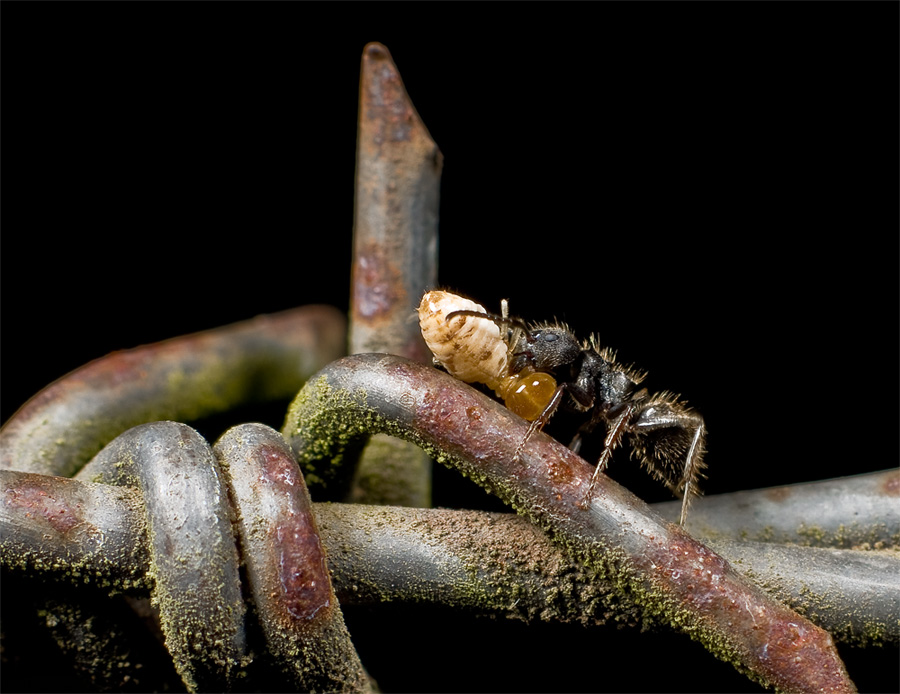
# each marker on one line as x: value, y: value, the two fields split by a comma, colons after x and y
x: 711, y: 188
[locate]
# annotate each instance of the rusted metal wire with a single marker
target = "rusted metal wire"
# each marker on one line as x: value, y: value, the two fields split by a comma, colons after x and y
x: 80, y: 535
x: 194, y: 563
x: 285, y: 563
x: 178, y: 541
x: 265, y: 358
x: 398, y: 175
x: 673, y: 577
x: 620, y: 563
x: 857, y: 511
x: 395, y: 235
x: 485, y: 562
x: 852, y: 594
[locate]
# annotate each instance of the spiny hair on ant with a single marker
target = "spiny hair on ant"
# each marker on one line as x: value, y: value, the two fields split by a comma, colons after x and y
x: 537, y: 367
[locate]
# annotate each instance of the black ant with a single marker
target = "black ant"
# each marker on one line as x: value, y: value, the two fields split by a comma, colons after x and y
x: 665, y: 435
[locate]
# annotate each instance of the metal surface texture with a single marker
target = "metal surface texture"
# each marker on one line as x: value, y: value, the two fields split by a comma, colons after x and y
x: 398, y: 173
x: 496, y: 563
x: 268, y: 357
x: 158, y: 559
x: 194, y: 565
x: 855, y: 511
x: 285, y: 563
x: 669, y: 574
x: 395, y: 236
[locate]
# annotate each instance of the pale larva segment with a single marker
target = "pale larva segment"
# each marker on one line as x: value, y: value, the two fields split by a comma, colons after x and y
x: 470, y: 348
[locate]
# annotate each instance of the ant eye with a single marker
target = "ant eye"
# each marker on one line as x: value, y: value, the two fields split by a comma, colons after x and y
x: 551, y: 337
x: 529, y: 394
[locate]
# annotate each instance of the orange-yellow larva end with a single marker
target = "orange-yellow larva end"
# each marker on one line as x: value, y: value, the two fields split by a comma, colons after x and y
x: 528, y: 394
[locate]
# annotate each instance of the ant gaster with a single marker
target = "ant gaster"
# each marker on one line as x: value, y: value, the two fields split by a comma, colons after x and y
x: 665, y: 435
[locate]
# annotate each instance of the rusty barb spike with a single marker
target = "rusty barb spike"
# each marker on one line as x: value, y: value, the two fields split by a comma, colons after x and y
x: 395, y: 231
x: 398, y: 173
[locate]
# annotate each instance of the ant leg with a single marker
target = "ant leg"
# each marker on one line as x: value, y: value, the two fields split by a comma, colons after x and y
x: 542, y: 419
x: 613, y: 436
x: 584, y: 430
x: 477, y: 314
x: 575, y: 445
x: 500, y: 320
x: 692, y: 466
x: 663, y: 415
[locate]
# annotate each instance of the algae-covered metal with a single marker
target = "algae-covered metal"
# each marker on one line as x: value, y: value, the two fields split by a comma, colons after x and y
x: 669, y: 574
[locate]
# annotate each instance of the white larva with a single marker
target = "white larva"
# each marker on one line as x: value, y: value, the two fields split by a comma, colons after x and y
x: 471, y: 349
x: 476, y: 350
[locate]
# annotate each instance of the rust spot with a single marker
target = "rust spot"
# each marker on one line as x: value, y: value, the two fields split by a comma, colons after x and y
x: 778, y: 494
x: 377, y: 284
x: 306, y: 588
x: 385, y: 103
x: 38, y: 502
x: 891, y: 485
x: 784, y: 645
x: 449, y: 416
x: 790, y: 643
x: 117, y: 368
x: 301, y: 571
x: 559, y: 471
x: 697, y: 573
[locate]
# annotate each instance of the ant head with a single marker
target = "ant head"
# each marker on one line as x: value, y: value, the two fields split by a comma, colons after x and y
x: 546, y: 348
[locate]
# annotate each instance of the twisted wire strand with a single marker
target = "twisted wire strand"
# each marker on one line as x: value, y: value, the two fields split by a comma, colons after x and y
x: 194, y: 560
x: 495, y: 563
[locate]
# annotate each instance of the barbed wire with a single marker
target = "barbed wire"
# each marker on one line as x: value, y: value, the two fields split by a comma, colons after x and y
x: 220, y: 552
